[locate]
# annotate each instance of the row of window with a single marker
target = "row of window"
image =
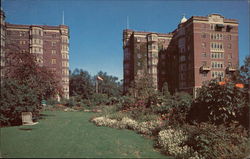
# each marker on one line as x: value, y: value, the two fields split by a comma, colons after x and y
x: 64, y: 63
x: 37, y: 32
x: 153, y: 47
x: 216, y: 36
x: 216, y: 55
x: 216, y: 45
x: 65, y: 48
x: 217, y: 64
x: 217, y: 74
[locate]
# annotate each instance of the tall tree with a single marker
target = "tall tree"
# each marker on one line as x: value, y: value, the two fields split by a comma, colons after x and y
x: 109, y: 85
x: 81, y: 83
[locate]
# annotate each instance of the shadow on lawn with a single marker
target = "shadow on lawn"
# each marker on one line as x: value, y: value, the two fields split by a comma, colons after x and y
x: 25, y: 129
x: 43, y: 116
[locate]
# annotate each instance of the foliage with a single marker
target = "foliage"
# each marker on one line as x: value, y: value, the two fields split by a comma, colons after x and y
x: 99, y: 99
x: 170, y: 141
x: 142, y: 88
x: 80, y: 83
x: 25, y: 68
x: 109, y: 85
x: 69, y: 102
x: 15, y: 99
x: 148, y: 127
x: 212, y: 141
x: 217, y: 103
x: 242, y: 75
x: 24, y: 85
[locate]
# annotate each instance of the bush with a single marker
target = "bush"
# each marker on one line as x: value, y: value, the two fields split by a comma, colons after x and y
x: 212, y: 141
x: 217, y: 103
x: 99, y: 99
x: 170, y: 141
x: 127, y: 102
x: 15, y: 99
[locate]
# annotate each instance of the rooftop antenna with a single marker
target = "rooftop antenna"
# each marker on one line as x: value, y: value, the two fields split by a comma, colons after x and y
x: 63, y: 18
x: 127, y: 22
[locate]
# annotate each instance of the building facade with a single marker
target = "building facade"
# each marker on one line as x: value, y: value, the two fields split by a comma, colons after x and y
x: 49, y: 43
x: 198, y: 50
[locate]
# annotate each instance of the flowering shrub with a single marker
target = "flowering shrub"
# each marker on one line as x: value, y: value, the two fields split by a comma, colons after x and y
x: 170, y: 141
x: 127, y: 123
x: 103, y: 121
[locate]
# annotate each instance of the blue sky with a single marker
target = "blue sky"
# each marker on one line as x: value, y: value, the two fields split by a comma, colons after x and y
x: 96, y: 26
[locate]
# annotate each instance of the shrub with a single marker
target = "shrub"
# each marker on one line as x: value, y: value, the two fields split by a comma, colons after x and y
x: 217, y: 103
x: 170, y: 140
x: 99, y: 99
x: 15, y: 99
x: 127, y: 102
x: 69, y: 102
x: 141, y: 127
x: 52, y: 101
x: 217, y: 141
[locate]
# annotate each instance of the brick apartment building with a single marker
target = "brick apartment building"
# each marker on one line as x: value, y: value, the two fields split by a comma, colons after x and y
x: 49, y: 43
x: 199, y: 49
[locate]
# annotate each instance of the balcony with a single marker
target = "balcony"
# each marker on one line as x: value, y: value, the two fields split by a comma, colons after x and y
x: 205, y: 68
x: 231, y: 69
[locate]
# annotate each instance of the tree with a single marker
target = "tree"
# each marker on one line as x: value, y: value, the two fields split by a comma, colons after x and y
x: 81, y: 83
x: 109, y: 85
x: 242, y: 75
x: 24, y: 85
x: 142, y: 87
x: 25, y: 68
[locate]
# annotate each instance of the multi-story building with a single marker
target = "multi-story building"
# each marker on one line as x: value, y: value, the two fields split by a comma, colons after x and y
x: 141, y: 56
x: 2, y: 42
x: 49, y: 43
x: 200, y: 49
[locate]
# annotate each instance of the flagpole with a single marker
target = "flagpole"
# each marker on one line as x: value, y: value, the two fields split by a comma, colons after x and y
x: 96, y: 85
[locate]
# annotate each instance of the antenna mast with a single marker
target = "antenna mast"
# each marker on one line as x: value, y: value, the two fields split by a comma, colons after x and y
x: 63, y: 18
x: 127, y: 22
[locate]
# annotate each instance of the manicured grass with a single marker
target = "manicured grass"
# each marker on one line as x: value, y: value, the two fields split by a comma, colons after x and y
x: 70, y: 134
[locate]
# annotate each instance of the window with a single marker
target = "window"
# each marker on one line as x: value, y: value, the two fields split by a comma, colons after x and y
x: 216, y: 36
x: 53, y: 43
x: 229, y: 37
x: 229, y: 46
x: 22, y: 42
x: 204, y: 63
x: 230, y: 56
x: 217, y: 55
x: 216, y: 46
x: 203, y: 35
x: 212, y: 26
x: 53, y: 70
x: 139, y: 56
x: 217, y: 64
x: 203, y: 45
x: 217, y: 74
x: 65, y: 72
x: 53, y: 52
x: 53, y: 61
x: 204, y: 54
x: 204, y: 75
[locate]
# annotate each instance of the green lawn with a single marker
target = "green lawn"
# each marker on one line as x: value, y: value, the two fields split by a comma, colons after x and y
x: 70, y: 134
